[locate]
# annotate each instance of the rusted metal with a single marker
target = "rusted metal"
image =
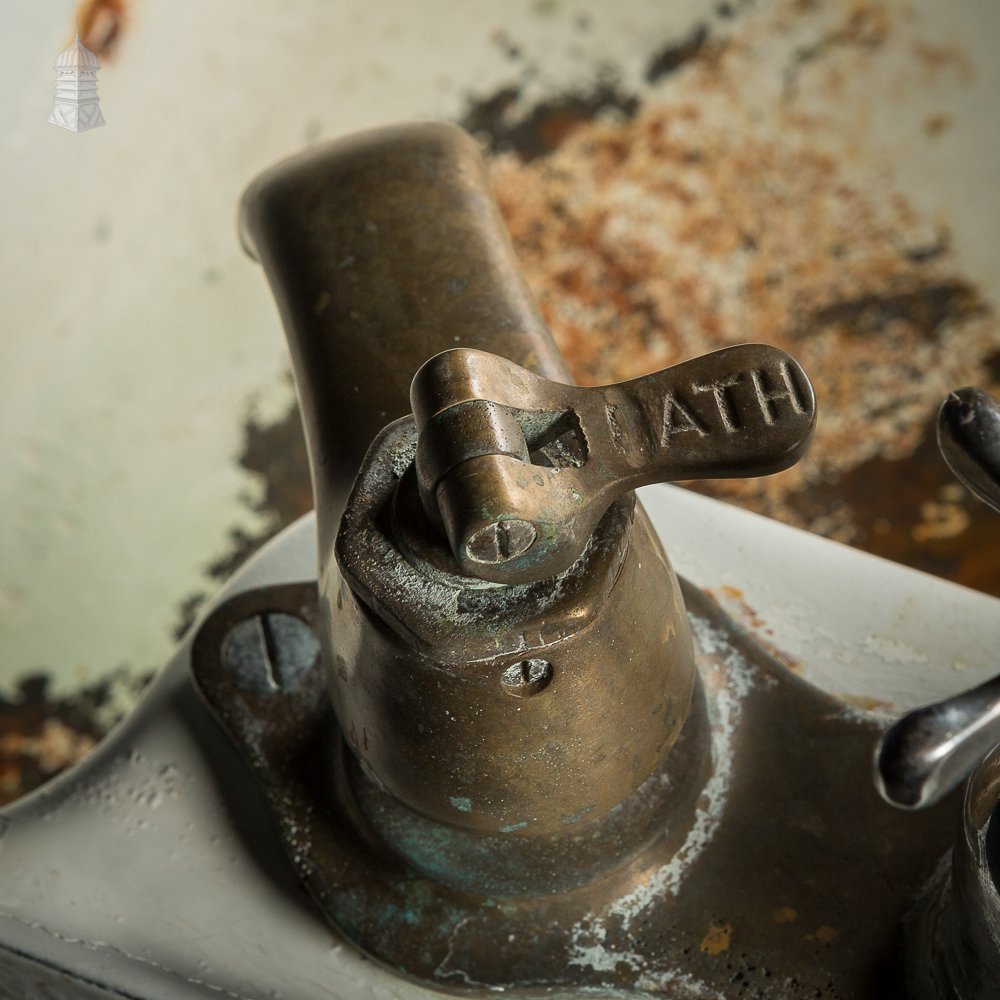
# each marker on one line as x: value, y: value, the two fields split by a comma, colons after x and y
x: 519, y: 469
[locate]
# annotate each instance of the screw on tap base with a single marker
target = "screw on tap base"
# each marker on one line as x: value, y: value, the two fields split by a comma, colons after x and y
x: 526, y: 677
x: 269, y: 651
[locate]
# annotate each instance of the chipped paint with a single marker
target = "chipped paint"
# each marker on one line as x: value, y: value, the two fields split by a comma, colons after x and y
x: 102, y: 24
x: 717, y: 939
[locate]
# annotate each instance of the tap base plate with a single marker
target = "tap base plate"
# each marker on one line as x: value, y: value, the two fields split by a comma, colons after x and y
x: 788, y: 876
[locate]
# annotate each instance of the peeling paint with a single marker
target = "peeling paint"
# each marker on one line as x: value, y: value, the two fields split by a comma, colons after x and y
x: 717, y: 939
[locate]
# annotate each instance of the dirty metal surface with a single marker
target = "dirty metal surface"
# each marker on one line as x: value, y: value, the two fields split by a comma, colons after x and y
x: 712, y: 907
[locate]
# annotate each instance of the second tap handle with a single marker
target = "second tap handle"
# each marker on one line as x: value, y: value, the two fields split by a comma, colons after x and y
x: 932, y: 749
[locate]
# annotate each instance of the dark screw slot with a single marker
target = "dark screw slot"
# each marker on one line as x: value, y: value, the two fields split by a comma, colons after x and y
x: 526, y: 677
x: 269, y: 652
x: 500, y: 541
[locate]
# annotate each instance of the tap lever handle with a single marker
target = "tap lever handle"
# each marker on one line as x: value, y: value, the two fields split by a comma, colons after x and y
x: 518, y: 469
x: 969, y: 438
x: 930, y: 750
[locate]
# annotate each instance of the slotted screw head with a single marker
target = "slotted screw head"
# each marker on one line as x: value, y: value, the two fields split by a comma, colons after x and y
x: 269, y: 652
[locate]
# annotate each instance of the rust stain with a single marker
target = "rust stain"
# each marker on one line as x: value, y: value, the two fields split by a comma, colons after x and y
x: 41, y: 734
x: 732, y: 601
x: 865, y: 27
x: 717, y: 939
x: 938, y: 59
x: 784, y: 915
x: 867, y: 703
x: 674, y: 54
x: 101, y: 24
x: 935, y: 125
x: 940, y: 520
x: 823, y: 934
x: 505, y: 125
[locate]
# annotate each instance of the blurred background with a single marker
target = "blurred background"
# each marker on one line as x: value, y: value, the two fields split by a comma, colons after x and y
x: 676, y: 176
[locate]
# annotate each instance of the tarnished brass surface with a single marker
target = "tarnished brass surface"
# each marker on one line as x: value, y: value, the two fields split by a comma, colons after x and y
x: 519, y: 469
x: 421, y: 657
x: 773, y: 871
x: 382, y: 250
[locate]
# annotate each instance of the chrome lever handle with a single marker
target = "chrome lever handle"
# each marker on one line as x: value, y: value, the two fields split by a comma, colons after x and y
x: 969, y: 438
x: 932, y: 749
x: 518, y: 469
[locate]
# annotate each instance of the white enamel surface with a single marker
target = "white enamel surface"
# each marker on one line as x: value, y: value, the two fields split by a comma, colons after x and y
x: 134, y: 870
x: 856, y: 625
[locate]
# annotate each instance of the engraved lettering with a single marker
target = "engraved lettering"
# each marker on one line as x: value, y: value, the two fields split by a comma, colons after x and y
x: 617, y: 435
x: 678, y: 419
x: 728, y: 414
x: 768, y: 398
